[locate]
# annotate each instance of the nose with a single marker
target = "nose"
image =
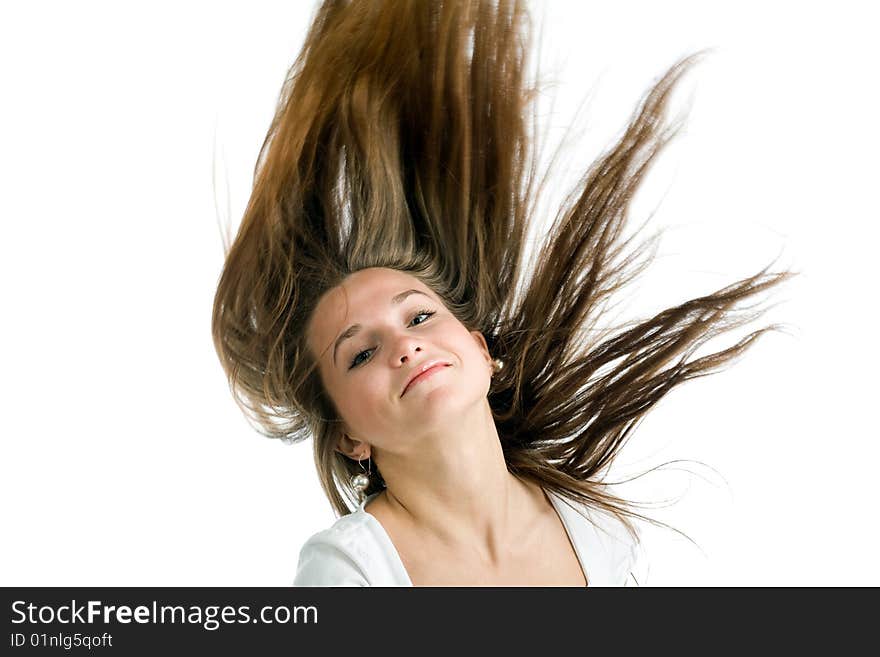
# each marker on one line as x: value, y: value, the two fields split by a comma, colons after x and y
x: 405, y: 350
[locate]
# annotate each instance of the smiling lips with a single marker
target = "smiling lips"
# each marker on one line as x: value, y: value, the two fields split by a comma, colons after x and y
x: 426, y: 372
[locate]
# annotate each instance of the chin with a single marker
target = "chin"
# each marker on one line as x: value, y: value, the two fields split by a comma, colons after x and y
x: 445, y: 402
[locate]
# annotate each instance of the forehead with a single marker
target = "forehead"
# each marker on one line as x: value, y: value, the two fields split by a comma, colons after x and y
x: 352, y: 300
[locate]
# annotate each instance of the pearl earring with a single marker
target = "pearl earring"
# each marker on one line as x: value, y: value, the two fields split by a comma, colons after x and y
x: 361, y: 481
x: 497, y: 365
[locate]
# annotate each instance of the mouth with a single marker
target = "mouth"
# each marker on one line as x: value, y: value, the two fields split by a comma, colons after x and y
x: 425, y: 372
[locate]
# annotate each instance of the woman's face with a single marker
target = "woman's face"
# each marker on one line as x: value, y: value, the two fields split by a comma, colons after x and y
x: 372, y: 334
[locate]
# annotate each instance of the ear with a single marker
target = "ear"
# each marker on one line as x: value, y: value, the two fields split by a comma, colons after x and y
x: 484, y: 348
x: 352, y: 448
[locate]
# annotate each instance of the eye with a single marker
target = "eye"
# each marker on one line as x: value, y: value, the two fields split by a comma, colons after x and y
x: 356, y: 361
x: 426, y: 313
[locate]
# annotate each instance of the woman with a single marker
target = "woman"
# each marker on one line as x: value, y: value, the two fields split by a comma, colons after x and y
x: 464, y: 407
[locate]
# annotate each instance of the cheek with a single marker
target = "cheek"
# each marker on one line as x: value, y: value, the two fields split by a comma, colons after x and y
x: 475, y: 368
x: 363, y: 401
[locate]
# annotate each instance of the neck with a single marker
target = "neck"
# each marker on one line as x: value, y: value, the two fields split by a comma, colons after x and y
x: 454, y: 486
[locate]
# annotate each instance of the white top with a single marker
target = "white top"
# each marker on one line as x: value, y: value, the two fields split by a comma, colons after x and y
x: 357, y: 551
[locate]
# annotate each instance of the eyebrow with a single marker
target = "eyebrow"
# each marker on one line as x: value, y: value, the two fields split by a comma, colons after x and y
x: 353, y: 330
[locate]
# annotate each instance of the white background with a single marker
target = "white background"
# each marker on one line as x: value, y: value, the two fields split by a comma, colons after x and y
x: 125, y: 460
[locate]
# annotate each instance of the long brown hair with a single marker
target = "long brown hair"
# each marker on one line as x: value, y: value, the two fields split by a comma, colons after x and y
x: 402, y: 139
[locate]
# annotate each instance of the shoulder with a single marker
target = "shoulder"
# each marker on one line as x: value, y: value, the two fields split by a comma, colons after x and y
x: 355, y: 551
x: 337, y: 556
x: 614, y: 552
x: 626, y: 556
